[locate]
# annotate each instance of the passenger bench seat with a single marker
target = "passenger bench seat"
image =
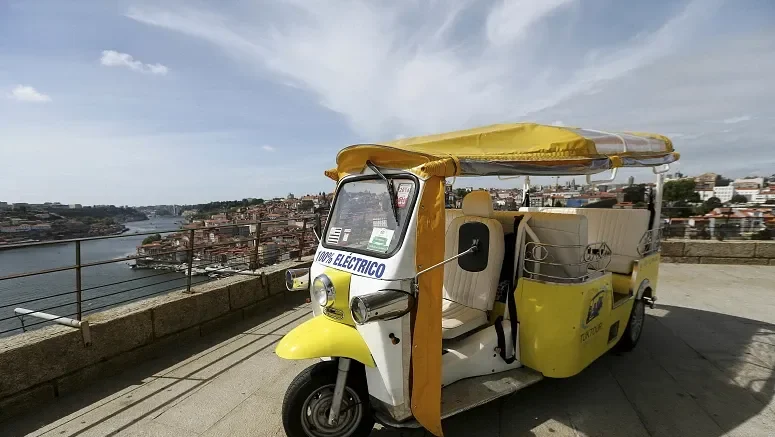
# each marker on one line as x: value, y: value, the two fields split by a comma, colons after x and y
x: 469, y: 295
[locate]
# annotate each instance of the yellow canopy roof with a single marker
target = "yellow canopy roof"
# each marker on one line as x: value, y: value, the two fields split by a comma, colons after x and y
x: 512, y: 149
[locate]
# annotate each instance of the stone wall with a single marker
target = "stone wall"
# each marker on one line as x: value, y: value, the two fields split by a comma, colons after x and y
x: 41, y: 365
x: 759, y: 253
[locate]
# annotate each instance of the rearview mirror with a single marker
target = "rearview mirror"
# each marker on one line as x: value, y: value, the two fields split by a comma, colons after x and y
x: 297, y: 279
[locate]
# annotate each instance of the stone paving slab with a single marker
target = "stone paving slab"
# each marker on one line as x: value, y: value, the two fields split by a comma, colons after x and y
x: 705, y: 367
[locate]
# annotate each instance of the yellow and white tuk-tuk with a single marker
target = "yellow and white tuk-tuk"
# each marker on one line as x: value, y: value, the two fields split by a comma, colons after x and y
x: 422, y: 312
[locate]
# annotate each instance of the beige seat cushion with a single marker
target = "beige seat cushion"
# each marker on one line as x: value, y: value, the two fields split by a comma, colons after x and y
x: 566, y: 237
x: 451, y: 214
x: 472, y: 290
x: 620, y: 229
x: 457, y: 319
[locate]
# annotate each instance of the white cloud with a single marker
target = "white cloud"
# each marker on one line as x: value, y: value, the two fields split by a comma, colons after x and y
x: 734, y: 120
x: 112, y: 58
x: 416, y: 68
x: 25, y: 93
x: 510, y: 21
x: 268, y: 148
x: 558, y: 123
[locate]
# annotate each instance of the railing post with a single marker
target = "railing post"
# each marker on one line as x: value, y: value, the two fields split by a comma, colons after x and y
x: 78, y: 296
x: 190, y: 259
x: 301, y: 240
x: 257, y: 243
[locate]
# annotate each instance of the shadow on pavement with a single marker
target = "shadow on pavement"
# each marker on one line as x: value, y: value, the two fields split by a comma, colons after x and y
x: 694, y: 373
x: 123, y: 384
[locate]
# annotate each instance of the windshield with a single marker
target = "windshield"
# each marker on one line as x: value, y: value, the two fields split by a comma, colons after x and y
x: 363, y: 220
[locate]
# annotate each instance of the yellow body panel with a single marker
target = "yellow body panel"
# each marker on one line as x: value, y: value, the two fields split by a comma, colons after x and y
x: 321, y: 337
x: 564, y: 327
x: 646, y: 275
x: 339, y: 311
x: 622, y: 283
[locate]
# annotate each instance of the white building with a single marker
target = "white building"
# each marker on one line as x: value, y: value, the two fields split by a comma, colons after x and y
x: 748, y: 193
x: 749, y: 183
x: 724, y: 194
x: 705, y: 194
x: 764, y: 195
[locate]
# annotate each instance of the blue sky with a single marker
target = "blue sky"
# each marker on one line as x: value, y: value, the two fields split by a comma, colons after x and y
x: 141, y: 102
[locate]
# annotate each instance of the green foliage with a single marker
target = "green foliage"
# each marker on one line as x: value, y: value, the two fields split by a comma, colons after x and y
x: 207, y: 209
x: 739, y: 198
x: 710, y: 205
x: 103, y: 212
x: 152, y: 239
x: 635, y: 193
x: 680, y: 190
x: 764, y: 234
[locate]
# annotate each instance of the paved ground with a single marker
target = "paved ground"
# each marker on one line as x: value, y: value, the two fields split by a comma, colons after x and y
x: 704, y: 367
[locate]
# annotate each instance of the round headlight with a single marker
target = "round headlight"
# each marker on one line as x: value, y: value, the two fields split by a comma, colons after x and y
x: 359, y: 310
x: 323, y: 291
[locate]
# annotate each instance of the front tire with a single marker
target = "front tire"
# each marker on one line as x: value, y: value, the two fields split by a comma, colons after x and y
x: 634, y: 327
x: 308, y: 399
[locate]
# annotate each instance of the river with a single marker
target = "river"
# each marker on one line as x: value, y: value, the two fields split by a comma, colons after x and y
x: 97, y: 295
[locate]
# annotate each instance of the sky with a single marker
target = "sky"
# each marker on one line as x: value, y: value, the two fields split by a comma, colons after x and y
x: 159, y: 102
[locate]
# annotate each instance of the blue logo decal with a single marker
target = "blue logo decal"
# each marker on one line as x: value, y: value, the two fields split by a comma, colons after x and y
x: 352, y: 263
x: 595, y: 306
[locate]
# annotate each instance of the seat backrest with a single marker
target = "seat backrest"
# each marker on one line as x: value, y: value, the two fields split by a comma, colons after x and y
x: 620, y: 229
x: 474, y: 289
x: 451, y: 214
x: 566, y: 240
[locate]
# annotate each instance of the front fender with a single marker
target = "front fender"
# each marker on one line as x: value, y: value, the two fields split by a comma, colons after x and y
x: 322, y: 337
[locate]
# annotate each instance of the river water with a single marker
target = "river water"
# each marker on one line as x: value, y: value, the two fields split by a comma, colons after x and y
x: 97, y: 295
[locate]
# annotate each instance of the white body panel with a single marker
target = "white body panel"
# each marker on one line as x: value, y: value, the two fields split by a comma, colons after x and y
x: 475, y: 355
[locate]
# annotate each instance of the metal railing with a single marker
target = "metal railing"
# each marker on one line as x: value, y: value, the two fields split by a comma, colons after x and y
x: 192, y: 254
x: 719, y: 232
x: 564, y: 263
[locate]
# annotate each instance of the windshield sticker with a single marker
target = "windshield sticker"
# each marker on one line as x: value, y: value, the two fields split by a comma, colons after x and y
x: 380, y: 239
x: 346, y: 235
x: 403, y: 194
x: 355, y: 264
x: 333, y: 236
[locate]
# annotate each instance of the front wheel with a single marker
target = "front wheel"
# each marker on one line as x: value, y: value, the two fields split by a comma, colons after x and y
x: 634, y: 327
x: 308, y: 401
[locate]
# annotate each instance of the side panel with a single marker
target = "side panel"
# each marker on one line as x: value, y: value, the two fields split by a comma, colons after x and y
x: 322, y: 337
x: 564, y: 327
x: 387, y: 380
x: 646, y: 275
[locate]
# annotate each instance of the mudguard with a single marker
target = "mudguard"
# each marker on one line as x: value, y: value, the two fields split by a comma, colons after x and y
x: 321, y: 337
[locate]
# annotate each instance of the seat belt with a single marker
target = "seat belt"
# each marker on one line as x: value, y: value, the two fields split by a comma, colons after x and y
x: 512, y: 308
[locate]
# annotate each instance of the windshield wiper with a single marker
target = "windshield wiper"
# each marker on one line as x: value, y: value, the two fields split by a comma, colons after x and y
x: 391, y: 191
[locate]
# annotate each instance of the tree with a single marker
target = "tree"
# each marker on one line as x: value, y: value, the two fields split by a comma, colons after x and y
x: 460, y: 192
x: 721, y: 181
x: 739, y: 198
x: 764, y: 234
x: 635, y: 193
x: 710, y: 205
x: 557, y: 204
x: 680, y: 190
x: 152, y: 239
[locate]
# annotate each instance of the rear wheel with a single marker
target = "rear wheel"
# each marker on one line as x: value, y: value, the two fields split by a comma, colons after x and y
x: 308, y: 401
x: 634, y: 327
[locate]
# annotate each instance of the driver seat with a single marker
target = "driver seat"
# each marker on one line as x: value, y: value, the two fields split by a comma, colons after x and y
x: 469, y: 295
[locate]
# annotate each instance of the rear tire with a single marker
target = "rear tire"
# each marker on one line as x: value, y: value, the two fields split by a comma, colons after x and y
x: 634, y: 327
x: 308, y: 399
